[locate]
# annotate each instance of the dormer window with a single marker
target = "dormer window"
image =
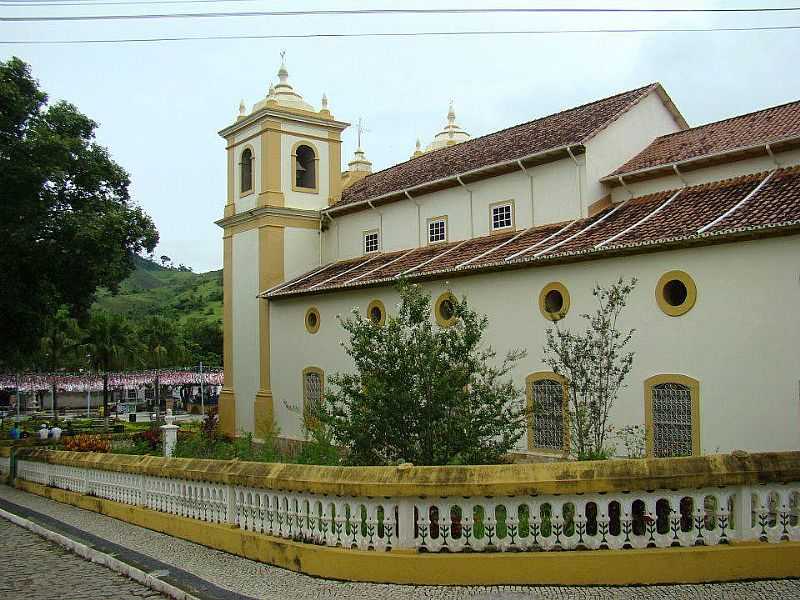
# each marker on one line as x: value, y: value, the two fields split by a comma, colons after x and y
x: 371, y: 242
x: 437, y: 230
x: 502, y: 216
x: 246, y: 171
x: 305, y: 168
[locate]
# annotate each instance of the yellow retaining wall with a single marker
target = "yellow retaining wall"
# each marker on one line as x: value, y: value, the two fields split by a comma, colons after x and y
x: 739, y: 561
x: 739, y: 468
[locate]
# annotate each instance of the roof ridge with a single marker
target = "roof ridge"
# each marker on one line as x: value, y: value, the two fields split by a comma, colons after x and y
x: 726, y: 119
x: 468, y: 142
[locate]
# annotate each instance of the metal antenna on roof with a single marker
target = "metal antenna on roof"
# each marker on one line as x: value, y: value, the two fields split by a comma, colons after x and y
x: 361, y: 130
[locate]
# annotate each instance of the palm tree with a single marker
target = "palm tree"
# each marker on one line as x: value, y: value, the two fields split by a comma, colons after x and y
x: 58, y: 346
x: 109, y: 342
x: 163, y: 346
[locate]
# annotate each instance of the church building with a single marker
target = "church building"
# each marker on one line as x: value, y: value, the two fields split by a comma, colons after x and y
x: 524, y: 222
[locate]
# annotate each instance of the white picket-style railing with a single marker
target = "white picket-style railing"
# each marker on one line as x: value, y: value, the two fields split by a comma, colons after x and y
x: 616, y: 520
x: 5, y: 466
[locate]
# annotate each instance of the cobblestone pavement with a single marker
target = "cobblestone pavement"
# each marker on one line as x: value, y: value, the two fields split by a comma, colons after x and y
x: 262, y: 581
x: 34, y: 568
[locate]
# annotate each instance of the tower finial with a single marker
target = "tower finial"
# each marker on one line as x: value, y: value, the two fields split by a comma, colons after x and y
x: 324, y: 101
x: 242, y: 109
x: 451, y: 113
x: 283, y: 73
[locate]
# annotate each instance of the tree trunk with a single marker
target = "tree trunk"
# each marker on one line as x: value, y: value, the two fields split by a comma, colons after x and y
x: 55, y: 401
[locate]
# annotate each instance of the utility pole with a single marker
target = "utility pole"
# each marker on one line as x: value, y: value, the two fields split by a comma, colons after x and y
x: 202, y: 393
x: 19, y: 399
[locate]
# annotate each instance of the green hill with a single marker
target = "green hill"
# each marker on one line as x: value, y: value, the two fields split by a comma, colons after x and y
x: 154, y: 289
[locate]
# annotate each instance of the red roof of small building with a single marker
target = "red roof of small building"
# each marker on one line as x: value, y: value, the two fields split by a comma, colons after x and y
x: 701, y: 214
x: 745, y: 131
x: 565, y: 128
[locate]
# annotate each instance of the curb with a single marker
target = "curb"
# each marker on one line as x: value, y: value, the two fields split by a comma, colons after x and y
x: 95, y: 556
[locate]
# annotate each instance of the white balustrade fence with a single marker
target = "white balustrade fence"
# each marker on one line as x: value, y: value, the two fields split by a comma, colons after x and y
x: 5, y: 466
x: 591, y: 521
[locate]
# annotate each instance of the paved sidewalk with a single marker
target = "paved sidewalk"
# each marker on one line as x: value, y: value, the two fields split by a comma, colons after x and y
x: 34, y: 568
x: 261, y: 581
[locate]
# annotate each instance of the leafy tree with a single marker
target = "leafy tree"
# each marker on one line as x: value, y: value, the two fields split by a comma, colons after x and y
x: 163, y: 346
x: 59, y: 345
x: 595, y: 365
x: 110, y: 344
x: 203, y: 341
x: 423, y: 393
x: 67, y: 223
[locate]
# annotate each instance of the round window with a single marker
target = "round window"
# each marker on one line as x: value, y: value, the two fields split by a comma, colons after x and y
x: 676, y: 293
x: 554, y: 301
x: 312, y: 320
x: 445, y: 309
x: 376, y: 312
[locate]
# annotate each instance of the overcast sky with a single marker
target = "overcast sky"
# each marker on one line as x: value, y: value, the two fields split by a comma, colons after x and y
x: 160, y: 105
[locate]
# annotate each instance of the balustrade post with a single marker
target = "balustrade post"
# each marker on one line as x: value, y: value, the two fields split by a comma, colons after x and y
x: 405, y: 523
x: 744, y: 513
x: 170, y: 434
x: 231, y: 509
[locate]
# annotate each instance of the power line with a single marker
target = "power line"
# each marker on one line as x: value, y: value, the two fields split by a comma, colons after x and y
x: 395, y: 11
x: 396, y: 34
x: 124, y: 3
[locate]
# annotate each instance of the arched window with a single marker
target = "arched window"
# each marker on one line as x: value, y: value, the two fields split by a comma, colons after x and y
x: 672, y: 416
x: 313, y: 385
x: 246, y: 171
x: 305, y: 168
x: 547, y: 400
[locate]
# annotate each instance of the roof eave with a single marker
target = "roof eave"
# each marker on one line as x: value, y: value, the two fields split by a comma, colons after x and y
x: 789, y: 228
x: 696, y: 162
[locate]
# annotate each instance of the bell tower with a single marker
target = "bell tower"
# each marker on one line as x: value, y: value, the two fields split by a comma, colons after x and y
x: 284, y: 166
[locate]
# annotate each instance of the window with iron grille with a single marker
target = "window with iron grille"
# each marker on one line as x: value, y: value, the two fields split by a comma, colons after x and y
x: 312, y: 392
x: 672, y: 420
x: 548, y: 414
x: 437, y: 231
x: 502, y: 216
x: 370, y: 242
x: 131, y: 393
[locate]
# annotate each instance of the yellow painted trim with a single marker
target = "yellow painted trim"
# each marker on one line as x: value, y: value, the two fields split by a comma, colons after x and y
x: 227, y: 398
x: 529, y: 381
x: 513, y: 226
x: 271, y: 193
x: 308, y: 420
x: 691, y: 293
x: 428, y: 230
x: 231, y: 197
x: 556, y: 286
x: 334, y: 168
x: 242, y: 192
x: 571, y: 477
x: 377, y: 304
x: 437, y: 309
x: 730, y: 562
x: 312, y: 329
x: 272, y: 220
x: 315, y: 150
x: 364, y: 235
x: 694, y: 391
x: 271, y: 257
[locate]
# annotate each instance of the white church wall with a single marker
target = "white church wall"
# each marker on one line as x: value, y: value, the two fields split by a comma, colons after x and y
x: 556, y: 199
x: 300, y: 251
x: 305, y: 200
x: 707, y: 175
x: 245, y: 326
x: 624, y: 139
x: 739, y: 340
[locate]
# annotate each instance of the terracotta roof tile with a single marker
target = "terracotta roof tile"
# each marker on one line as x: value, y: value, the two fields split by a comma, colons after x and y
x: 761, y: 127
x: 569, y: 127
x: 775, y: 205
